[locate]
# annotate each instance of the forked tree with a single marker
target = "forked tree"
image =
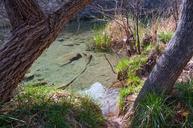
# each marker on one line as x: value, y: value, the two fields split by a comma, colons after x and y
x: 175, y: 58
x: 32, y: 32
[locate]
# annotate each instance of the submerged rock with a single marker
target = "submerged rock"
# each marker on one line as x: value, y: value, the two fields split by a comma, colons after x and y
x: 68, y: 58
x: 29, y: 77
x: 106, y: 97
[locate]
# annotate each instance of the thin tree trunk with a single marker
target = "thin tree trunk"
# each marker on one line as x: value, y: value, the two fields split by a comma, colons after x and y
x: 137, y: 29
x: 175, y: 58
x: 29, y: 39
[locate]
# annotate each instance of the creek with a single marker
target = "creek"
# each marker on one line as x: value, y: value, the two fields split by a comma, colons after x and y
x: 68, y: 64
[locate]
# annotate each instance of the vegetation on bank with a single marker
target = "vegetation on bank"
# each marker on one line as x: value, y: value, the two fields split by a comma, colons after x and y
x: 155, y: 110
x: 45, y: 106
x: 173, y: 111
x: 122, y: 40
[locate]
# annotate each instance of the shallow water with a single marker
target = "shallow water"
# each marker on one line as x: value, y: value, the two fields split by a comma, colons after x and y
x: 55, y: 68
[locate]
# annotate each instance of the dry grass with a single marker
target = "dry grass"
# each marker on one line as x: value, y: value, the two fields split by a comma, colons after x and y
x: 116, y: 28
x: 167, y: 24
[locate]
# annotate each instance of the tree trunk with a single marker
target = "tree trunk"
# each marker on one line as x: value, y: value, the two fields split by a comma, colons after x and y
x: 21, y: 11
x: 174, y: 59
x: 32, y: 34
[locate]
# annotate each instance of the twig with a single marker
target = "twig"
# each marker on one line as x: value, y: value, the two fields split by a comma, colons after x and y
x: 109, y: 64
x: 68, y: 84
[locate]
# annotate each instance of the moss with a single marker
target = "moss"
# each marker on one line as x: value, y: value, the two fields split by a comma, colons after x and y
x: 45, y: 106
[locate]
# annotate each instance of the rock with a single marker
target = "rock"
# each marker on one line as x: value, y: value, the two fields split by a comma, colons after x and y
x: 29, y: 77
x: 68, y: 58
x: 61, y: 40
x: 107, y: 98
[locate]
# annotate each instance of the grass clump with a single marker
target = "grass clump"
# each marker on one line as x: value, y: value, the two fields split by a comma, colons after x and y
x: 159, y: 111
x: 152, y: 112
x: 44, y: 106
x: 165, y: 37
x: 100, y: 40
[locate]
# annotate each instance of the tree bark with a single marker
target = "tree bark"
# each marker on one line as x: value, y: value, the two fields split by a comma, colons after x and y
x: 21, y: 11
x: 174, y: 59
x: 31, y: 35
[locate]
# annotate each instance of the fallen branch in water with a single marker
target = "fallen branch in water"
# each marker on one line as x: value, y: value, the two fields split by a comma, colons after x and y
x: 110, y: 64
x: 68, y: 84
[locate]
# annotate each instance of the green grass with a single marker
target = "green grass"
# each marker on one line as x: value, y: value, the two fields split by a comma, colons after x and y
x: 165, y: 37
x: 160, y: 111
x: 122, y: 65
x: 100, y: 40
x: 36, y: 106
x: 123, y: 93
x: 134, y: 82
x: 152, y: 112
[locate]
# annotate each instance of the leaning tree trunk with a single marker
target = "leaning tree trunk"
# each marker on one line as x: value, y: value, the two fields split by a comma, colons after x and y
x: 32, y: 32
x: 175, y: 58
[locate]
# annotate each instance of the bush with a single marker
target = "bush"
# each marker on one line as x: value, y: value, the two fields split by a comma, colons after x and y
x: 48, y: 107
